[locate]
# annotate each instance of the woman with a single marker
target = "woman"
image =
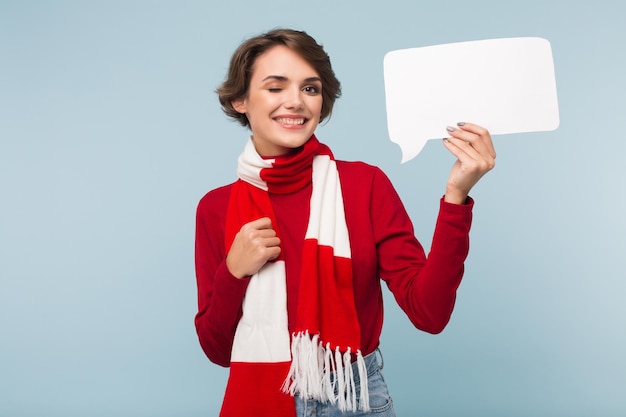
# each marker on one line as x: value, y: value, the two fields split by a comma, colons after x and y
x: 289, y: 258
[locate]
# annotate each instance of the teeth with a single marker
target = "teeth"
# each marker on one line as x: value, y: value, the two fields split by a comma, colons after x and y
x: 291, y: 121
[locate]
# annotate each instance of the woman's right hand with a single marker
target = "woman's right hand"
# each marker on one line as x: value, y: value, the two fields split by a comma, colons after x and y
x: 254, y: 245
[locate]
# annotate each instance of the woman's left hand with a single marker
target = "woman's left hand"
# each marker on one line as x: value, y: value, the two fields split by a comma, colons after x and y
x: 472, y: 146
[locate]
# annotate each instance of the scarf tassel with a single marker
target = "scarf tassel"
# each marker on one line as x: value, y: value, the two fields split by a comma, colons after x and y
x: 320, y: 374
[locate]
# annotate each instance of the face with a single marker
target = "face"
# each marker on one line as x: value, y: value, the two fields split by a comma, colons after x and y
x: 283, y: 103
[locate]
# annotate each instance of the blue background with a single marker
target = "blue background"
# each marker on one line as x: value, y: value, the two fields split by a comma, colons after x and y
x: 110, y: 133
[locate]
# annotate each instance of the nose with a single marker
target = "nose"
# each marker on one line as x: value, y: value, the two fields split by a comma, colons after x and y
x: 293, y: 99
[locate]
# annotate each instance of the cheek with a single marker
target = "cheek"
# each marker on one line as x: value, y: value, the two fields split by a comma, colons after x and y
x: 316, y: 104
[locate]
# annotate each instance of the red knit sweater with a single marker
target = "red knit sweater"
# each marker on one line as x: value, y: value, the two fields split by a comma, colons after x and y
x: 383, y: 247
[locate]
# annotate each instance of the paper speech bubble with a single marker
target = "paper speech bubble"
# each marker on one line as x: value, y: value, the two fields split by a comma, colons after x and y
x: 506, y: 85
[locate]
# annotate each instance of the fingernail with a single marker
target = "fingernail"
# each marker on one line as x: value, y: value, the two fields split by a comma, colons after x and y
x: 450, y: 129
x: 445, y: 139
x: 461, y: 124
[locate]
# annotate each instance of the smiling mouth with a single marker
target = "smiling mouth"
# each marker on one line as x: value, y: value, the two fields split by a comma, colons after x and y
x: 290, y: 121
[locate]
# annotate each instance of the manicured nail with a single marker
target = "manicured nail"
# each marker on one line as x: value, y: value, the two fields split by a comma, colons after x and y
x: 450, y: 129
x: 461, y: 124
x: 445, y: 139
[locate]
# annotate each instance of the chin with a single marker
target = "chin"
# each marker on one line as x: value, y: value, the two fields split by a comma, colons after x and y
x: 293, y: 141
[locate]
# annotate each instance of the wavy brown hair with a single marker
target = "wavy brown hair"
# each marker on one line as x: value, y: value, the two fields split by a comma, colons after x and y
x: 242, y: 62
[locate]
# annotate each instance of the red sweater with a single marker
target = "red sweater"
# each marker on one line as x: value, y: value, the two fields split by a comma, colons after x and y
x: 383, y: 246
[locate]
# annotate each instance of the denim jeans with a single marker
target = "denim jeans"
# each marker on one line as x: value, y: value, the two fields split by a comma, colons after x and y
x: 380, y: 402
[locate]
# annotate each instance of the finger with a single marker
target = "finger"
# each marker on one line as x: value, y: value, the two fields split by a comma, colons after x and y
x: 482, y: 133
x: 468, y: 139
x: 261, y: 223
x: 473, y: 145
x: 264, y: 233
x: 273, y: 253
x: 270, y: 241
x: 263, y: 238
x: 467, y: 142
x: 252, y: 229
x: 468, y: 157
x: 266, y: 250
x: 462, y: 150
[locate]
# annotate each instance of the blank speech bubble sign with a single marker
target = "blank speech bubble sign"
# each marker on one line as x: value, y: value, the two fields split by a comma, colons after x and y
x: 505, y: 85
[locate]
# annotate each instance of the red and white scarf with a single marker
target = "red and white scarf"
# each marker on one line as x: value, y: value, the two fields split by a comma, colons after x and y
x: 268, y: 364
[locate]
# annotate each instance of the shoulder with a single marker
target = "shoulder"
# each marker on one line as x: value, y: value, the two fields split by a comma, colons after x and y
x: 349, y: 170
x: 215, y: 200
x: 362, y: 175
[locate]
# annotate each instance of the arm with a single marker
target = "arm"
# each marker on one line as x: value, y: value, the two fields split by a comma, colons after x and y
x: 424, y: 287
x: 220, y: 294
x: 223, y: 278
x: 434, y: 294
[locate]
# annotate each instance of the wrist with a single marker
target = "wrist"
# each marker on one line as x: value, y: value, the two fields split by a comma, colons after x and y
x: 233, y: 270
x: 455, y: 197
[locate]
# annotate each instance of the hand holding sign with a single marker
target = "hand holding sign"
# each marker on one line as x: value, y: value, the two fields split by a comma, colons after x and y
x: 472, y: 146
x: 504, y: 85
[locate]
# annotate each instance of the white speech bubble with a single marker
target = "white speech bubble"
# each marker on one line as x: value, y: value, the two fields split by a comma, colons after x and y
x: 506, y: 85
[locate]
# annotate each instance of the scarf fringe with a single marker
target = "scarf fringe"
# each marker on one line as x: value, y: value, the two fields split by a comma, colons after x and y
x: 311, y: 374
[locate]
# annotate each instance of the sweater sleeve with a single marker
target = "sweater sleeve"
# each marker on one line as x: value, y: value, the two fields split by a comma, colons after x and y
x: 424, y: 287
x: 220, y: 294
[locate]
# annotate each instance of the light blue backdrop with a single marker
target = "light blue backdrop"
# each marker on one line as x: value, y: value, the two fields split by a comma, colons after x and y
x: 110, y: 133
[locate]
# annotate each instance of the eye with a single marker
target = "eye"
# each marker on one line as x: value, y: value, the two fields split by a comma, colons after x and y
x: 311, y: 89
x: 274, y: 89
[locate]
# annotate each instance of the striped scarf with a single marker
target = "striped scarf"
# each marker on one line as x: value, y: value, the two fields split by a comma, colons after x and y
x: 268, y: 364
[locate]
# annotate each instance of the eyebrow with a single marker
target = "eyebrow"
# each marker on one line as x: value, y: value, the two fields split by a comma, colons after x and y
x: 283, y: 78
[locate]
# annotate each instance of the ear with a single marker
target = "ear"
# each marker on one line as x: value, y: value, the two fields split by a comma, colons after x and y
x: 239, y: 105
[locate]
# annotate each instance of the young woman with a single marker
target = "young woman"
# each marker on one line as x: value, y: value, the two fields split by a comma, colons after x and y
x: 290, y: 257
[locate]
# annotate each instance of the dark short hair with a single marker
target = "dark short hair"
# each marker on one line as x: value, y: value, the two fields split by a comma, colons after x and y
x: 242, y: 62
